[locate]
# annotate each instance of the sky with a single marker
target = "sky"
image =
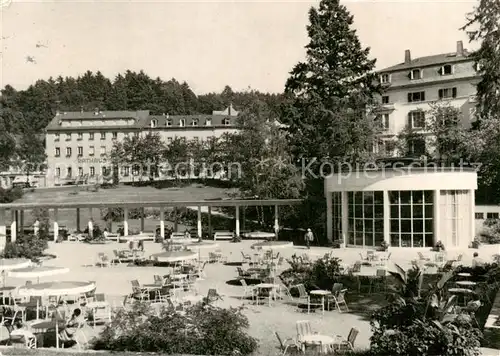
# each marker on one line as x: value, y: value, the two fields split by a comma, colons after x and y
x: 208, y: 44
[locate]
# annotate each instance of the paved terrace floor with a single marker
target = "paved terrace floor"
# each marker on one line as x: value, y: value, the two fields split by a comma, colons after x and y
x: 264, y: 320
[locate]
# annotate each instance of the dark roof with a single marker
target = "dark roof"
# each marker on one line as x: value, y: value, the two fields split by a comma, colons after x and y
x: 142, y: 120
x: 426, y: 61
x: 217, y: 120
x: 138, y: 116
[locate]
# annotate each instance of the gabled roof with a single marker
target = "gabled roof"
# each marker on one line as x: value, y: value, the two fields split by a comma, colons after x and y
x: 139, y: 118
x: 443, y: 58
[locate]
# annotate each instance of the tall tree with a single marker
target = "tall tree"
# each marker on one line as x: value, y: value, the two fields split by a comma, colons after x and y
x: 327, y: 98
x: 330, y: 91
x: 483, y: 25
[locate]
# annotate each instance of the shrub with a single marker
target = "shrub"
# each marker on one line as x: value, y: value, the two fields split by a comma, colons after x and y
x: 413, y: 324
x: 43, y: 217
x: 25, y: 246
x: 97, y: 234
x: 490, y: 233
x: 200, y: 330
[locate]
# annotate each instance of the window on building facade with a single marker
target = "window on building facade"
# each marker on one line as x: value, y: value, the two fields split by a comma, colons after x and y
x: 479, y: 216
x: 417, y: 147
x: 168, y: 122
x: 416, y: 74
x: 154, y: 123
x: 385, y: 99
x: 337, y: 215
x: 182, y: 122
x: 68, y: 137
x: 56, y: 137
x: 411, y: 218
x: 226, y: 122
x: 365, y: 218
x: 58, y: 172
x: 169, y: 139
x: 91, y: 150
x: 416, y: 96
x: 103, y: 150
x: 478, y: 67
x: 454, y: 215
x: 385, y: 78
x: 79, y: 136
x: 194, y: 122
x: 91, y: 136
x: 80, y: 151
x: 92, y: 171
x: 447, y: 69
x: 208, y: 122
x: 382, y: 121
x: 416, y: 119
x: 68, y: 151
x: 103, y: 135
x: 80, y: 171
x: 58, y: 152
x: 69, y: 172
x: 447, y: 93
x: 492, y: 215
x: 115, y: 135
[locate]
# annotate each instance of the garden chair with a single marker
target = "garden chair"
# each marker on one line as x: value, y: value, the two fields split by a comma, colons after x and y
x: 75, y: 337
x: 303, y: 329
x: 246, y: 258
x: 243, y: 274
x: 379, y: 283
x: 26, y: 337
x: 212, y: 296
x: 356, y: 267
x: 346, y: 345
x: 248, y: 291
x: 287, y: 344
x: 158, y: 280
x: 340, y: 301
x: 421, y: 257
x: 212, y: 257
x: 138, y: 292
x: 101, y: 315
x: 100, y: 297
x: 446, y: 267
x: 362, y: 258
x: 103, y: 260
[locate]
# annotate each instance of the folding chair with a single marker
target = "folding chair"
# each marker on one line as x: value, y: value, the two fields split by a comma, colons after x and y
x: 340, y: 300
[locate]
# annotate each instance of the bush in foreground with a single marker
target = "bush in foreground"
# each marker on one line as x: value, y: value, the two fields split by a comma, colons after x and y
x: 199, y: 330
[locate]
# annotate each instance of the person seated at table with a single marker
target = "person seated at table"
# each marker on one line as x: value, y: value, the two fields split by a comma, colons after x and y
x: 71, y: 326
x: 477, y: 261
x: 105, y: 233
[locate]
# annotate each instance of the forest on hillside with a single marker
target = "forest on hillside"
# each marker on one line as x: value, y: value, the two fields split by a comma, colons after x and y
x: 24, y: 114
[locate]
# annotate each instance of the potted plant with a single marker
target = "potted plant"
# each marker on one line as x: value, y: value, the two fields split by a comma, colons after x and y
x: 475, y: 244
x: 384, y: 246
x: 439, y: 246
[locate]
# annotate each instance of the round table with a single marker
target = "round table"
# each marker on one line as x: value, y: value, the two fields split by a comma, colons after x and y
x: 465, y: 275
x: 324, y: 341
x: 462, y: 291
x: 322, y: 294
x: 466, y: 283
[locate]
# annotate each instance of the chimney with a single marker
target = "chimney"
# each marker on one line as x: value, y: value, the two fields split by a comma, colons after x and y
x: 460, y: 48
x: 229, y: 109
x: 407, y: 56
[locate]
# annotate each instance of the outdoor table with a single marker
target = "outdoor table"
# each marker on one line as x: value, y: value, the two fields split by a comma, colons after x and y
x: 97, y: 305
x: 322, y: 294
x: 267, y: 286
x: 192, y: 298
x: 465, y: 275
x: 466, y: 283
x: 463, y: 292
x: 324, y: 341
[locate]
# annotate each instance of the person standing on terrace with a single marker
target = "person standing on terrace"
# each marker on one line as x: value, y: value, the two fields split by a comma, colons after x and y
x: 309, y: 237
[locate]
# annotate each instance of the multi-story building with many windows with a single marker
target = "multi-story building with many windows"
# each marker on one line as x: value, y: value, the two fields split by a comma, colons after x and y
x: 79, y: 143
x: 410, y: 87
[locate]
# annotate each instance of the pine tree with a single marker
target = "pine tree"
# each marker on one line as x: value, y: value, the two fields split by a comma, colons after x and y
x: 330, y: 91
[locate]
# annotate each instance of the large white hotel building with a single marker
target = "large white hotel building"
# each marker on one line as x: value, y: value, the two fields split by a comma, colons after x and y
x: 79, y: 143
x: 412, y: 86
